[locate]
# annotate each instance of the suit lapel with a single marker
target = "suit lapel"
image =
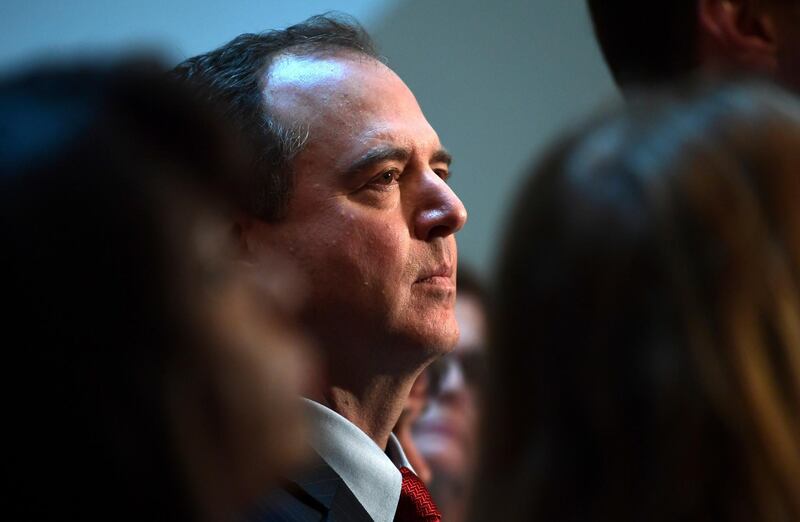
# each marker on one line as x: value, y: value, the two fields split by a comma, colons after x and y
x: 346, y: 507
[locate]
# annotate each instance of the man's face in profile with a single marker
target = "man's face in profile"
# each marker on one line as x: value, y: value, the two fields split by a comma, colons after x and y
x: 372, y: 220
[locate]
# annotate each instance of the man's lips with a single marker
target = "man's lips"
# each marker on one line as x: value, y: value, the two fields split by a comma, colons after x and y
x: 441, y: 275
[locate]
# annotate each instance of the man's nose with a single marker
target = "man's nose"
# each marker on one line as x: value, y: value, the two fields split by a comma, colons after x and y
x: 440, y: 212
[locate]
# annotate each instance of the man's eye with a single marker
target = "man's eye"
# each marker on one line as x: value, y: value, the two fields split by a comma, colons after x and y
x: 443, y: 173
x: 385, y: 179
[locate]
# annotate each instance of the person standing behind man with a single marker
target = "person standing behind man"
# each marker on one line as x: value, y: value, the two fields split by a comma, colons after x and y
x: 446, y: 431
x: 752, y: 37
x: 352, y: 187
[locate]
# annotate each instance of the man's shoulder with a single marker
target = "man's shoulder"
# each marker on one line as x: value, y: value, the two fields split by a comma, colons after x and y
x: 317, y: 493
x: 283, y: 505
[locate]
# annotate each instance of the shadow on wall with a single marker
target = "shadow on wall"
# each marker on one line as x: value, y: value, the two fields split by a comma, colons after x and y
x: 498, y: 81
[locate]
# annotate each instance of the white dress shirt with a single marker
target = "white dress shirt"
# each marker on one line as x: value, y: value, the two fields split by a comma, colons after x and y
x: 370, y: 473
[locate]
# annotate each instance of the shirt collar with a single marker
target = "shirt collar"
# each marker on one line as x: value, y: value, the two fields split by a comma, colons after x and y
x: 370, y: 473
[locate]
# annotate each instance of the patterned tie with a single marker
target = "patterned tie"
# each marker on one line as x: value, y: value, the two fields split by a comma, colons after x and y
x: 416, y: 504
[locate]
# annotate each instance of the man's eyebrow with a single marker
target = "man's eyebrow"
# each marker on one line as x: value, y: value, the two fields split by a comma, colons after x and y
x: 442, y: 156
x: 378, y: 155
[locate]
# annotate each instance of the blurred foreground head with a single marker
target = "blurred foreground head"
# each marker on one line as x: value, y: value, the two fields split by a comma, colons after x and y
x: 146, y: 374
x: 647, y: 334
x: 646, y: 43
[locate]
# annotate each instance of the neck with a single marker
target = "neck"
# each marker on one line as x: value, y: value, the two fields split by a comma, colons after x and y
x: 374, y: 406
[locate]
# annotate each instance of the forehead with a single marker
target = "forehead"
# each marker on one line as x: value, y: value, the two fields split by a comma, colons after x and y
x: 346, y: 97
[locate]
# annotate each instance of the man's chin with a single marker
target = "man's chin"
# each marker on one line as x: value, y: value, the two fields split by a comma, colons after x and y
x: 435, y: 340
x: 444, y: 332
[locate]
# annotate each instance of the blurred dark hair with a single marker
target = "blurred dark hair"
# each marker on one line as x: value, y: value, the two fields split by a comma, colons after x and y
x: 234, y: 76
x: 646, y: 43
x: 645, y: 340
x: 109, y: 176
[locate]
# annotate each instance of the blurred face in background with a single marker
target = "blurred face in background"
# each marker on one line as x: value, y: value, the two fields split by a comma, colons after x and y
x: 446, y: 432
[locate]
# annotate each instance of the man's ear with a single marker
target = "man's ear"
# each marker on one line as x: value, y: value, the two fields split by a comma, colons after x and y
x: 737, y: 34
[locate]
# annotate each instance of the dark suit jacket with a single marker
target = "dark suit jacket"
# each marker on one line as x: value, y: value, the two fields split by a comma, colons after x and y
x: 317, y: 494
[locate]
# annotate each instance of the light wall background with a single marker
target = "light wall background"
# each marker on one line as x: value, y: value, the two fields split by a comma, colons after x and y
x: 498, y: 80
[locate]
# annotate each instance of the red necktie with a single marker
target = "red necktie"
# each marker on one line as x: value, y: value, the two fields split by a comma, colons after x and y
x: 416, y: 504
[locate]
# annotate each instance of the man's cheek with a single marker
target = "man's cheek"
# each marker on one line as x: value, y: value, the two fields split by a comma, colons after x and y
x: 380, y: 242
